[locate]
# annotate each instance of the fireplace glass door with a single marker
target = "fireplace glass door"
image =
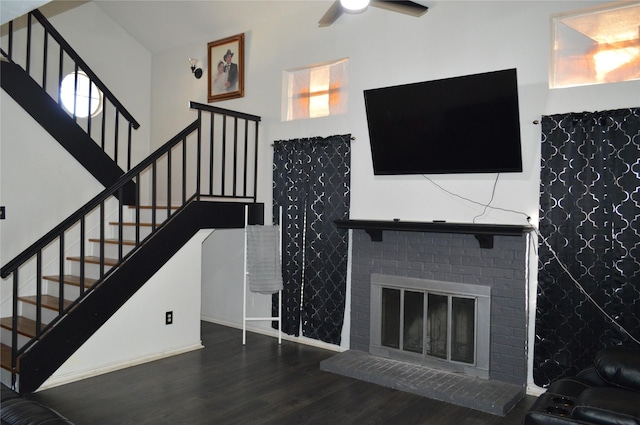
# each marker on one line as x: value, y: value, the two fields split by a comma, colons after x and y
x: 447, y: 331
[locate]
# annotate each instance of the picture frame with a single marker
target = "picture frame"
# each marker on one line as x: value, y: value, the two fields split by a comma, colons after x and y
x: 226, y: 80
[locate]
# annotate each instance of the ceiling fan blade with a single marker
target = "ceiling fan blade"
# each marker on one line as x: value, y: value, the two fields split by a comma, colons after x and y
x: 331, y: 15
x: 406, y: 7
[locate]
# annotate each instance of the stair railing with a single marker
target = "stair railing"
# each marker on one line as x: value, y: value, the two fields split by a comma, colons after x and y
x: 47, y: 57
x: 223, y: 168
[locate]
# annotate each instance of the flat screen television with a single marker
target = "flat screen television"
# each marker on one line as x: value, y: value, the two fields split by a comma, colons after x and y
x: 467, y: 124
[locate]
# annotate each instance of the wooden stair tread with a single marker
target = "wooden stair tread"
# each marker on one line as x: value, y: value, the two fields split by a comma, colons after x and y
x: 133, y: 223
x: 48, y: 301
x: 158, y: 207
x: 114, y: 241
x: 71, y: 280
x: 95, y: 260
x: 26, y: 326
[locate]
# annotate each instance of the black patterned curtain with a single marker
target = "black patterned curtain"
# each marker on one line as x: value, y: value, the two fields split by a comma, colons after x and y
x: 311, y: 181
x: 590, y: 217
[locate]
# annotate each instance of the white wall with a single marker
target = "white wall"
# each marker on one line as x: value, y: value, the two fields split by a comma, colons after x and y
x: 453, y: 38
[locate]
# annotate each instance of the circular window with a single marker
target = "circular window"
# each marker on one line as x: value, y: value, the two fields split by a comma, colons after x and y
x: 85, y: 102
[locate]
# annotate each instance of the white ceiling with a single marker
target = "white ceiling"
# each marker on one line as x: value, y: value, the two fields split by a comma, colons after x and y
x: 11, y: 9
x: 161, y: 25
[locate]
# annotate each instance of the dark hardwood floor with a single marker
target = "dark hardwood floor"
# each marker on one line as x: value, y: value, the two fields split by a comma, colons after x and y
x: 261, y: 383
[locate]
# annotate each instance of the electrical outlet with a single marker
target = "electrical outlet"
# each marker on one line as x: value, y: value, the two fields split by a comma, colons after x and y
x: 168, y: 318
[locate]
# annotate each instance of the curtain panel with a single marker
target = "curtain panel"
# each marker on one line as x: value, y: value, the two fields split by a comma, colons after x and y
x: 311, y: 181
x: 590, y: 217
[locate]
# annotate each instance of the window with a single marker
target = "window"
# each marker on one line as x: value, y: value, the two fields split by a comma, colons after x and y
x: 595, y: 46
x: 85, y: 100
x: 315, y: 91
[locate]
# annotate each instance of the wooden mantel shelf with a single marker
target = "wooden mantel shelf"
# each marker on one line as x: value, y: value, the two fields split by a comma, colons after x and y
x: 484, y: 233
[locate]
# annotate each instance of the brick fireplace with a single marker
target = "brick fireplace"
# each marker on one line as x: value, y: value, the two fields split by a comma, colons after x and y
x: 450, y: 257
x: 492, y: 258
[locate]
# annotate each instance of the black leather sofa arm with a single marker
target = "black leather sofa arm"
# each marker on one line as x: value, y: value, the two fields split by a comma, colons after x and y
x: 607, y: 393
x: 15, y: 410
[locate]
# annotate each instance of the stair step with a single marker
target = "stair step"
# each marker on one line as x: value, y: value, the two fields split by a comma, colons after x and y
x: 95, y: 260
x: 158, y: 207
x: 132, y: 223
x: 26, y: 327
x: 48, y: 301
x: 71, y: 280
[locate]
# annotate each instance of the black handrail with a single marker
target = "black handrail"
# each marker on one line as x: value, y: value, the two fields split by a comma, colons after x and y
x: 78, y: 64
x: 187, y: 142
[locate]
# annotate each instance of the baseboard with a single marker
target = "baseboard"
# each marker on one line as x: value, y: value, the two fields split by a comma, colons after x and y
x: 55, y: 381
x: 534, y: 390
x: 274, y: 333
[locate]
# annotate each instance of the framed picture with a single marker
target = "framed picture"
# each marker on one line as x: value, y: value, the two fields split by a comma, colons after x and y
x: 226, y: 68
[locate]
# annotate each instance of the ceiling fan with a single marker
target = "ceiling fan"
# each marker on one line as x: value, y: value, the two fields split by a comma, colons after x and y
x: 341, y: 6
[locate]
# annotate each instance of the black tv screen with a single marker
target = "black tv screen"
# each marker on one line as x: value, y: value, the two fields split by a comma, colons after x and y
x: 467, y: 124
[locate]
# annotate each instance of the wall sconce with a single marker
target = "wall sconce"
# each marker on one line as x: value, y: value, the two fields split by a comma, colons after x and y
x: 196, y: 71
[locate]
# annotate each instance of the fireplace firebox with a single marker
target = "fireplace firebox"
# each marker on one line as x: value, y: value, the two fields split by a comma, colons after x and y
x: 444, y: 325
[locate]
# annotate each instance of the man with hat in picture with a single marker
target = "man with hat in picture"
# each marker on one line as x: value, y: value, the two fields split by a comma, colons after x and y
x: 232, y: 70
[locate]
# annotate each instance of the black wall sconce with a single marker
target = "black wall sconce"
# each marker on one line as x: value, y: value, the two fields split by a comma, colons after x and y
x: 197, y: 72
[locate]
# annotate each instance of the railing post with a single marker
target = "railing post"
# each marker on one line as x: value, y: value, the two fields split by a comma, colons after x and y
x: 44, y: 60
x: 168, y: 180
x: 224, y: 154
x: 10, y: 41
x: 14, y: 330
x: 130, y: 127
x: 138, y: 209
x: 211, y: 147
x: 82, y: 253
x: 61, y: 283
x: 38, y: 292
x: 115, y: 141
x: 101, y: 271
x: 255, y: 167
x: 28, y: 64
x: 235, y: 157
x: 184, y: 170
x: 199, y: 155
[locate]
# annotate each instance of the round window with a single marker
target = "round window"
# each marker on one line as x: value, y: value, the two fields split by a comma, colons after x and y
x: 83, y: 101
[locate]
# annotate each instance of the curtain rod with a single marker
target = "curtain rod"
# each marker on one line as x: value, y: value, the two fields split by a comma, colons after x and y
x: 352, y: 138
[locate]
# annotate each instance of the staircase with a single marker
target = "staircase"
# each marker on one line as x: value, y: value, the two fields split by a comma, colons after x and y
x: 68, y: 283
x: 36, y: 311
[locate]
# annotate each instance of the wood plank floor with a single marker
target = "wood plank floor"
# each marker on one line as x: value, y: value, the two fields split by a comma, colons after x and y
x: 262, y: 383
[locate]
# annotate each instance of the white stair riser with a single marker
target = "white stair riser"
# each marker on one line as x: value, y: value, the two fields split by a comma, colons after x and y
x: 90, y: 270
x: 110, y: 250
x: 129, y: 232
x: 5, y: 337
x: 146, y: 215
x: 29, y: 311
x: 71, y: 292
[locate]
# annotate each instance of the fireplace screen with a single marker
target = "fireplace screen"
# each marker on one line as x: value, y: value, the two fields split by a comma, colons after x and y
x: 438, y: 324
x: 448, y: 332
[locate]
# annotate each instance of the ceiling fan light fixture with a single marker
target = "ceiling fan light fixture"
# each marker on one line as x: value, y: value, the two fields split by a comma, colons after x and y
x: 354, y: 5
